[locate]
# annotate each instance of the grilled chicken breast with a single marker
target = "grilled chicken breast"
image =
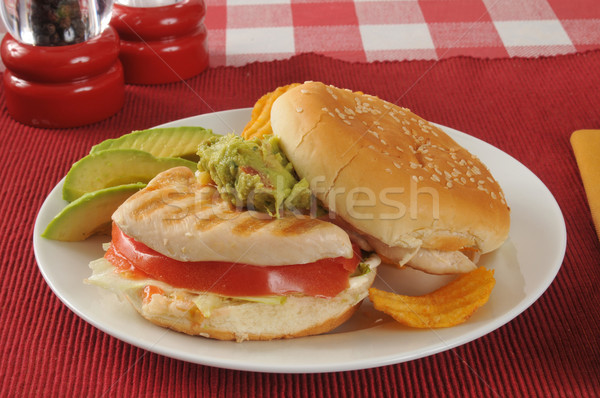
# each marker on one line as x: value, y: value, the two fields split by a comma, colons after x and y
x: 431, y: 261
x: 185, y: 220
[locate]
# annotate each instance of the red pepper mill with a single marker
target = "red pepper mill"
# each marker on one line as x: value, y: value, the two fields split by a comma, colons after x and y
x: 162, y: 41
x: 61, y: 58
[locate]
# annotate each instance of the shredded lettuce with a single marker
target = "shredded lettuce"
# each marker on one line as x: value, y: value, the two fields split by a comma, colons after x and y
x: 104, y: 275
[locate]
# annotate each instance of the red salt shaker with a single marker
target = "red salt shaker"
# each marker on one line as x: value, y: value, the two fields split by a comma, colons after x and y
x: 162, y: 43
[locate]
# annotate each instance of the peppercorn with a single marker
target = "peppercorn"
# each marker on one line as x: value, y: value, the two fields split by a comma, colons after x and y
x: 57, y: 22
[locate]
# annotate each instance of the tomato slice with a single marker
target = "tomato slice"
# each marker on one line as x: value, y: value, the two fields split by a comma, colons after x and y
x: 323, y: 278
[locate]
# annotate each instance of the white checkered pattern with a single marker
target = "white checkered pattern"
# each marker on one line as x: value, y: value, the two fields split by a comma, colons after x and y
x: 243, y: 31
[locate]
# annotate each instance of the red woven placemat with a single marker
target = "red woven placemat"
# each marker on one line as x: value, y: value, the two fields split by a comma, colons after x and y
x: 526, y: 107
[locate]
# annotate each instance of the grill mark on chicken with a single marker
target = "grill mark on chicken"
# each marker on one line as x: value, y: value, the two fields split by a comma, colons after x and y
x: 206, y: 223
x: 174, y: 201
x: 145, y: 209
x: 205, y: 216
x: 296, y: 226
x: 250, y: 224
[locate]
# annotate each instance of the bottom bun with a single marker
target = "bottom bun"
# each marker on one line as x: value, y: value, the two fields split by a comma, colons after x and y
x: 226, y: 318
x: 252, y: 321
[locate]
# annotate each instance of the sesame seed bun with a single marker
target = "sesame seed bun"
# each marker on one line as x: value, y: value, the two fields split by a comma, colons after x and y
x: 389, y: 173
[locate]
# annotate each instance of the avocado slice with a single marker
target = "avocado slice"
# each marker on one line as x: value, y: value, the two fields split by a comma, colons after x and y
x: 162, y: 142
x: 89, y: 214
x: 114, y: 167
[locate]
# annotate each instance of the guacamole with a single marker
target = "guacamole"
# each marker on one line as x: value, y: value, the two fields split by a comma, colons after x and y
x: 253, y: 174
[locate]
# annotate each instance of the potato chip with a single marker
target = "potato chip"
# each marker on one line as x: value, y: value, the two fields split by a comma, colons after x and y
x: 448, y: 306
x: 260, y: 121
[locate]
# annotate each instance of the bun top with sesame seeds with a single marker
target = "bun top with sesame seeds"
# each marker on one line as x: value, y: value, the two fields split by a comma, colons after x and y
x: 389, y: 173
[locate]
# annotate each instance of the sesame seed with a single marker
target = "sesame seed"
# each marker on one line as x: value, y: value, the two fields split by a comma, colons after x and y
x: 339, y: 113
x: 493, y: 195
x: 449, y: 184
x: 435, y: 178
x: 330, y: 91
x: 347, y: 122
x: 304, y: 91
x: 299, y: 109
x: 383, y: 142
x: 397, y: 165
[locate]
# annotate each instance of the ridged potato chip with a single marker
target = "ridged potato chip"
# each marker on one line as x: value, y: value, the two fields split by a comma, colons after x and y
x: 448, y: 306
x: 260, y: 121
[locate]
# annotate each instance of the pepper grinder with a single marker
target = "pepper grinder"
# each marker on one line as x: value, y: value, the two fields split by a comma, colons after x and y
x: 162, y: 41
x: 61, y: 58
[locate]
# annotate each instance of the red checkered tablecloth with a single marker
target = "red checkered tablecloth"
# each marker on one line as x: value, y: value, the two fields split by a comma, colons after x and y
x: 243, y: 31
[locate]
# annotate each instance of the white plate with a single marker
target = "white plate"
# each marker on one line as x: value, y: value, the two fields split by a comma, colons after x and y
x: 525, y: 266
